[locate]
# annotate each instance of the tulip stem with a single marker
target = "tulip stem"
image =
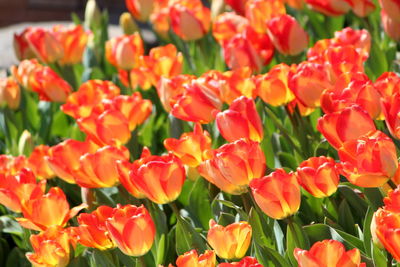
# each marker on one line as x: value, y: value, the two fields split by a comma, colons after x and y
x: 290, y: 223
x: 246, y: 203
x: 175, y: 210
x: 392, y: 184
x: 141, y: 261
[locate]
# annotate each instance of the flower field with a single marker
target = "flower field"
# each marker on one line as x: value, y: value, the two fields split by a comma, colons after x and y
x: 253, y: 133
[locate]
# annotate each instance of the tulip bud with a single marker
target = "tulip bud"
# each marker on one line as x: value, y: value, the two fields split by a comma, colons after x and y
x: 245, y: 262
x: 21, y: 46
x: 330, y: 7
x: 124, y: 51
x: 391, y: 8
x: 227, y: 25
x: 45, y: 45
x: 92, y: 15
x: 193, y: 259
x: 390, y: 25
x: 260, y: 12
x: 127, y: 24
x: 25, y: 143
x: 10, y: 93
x: 140, y: 9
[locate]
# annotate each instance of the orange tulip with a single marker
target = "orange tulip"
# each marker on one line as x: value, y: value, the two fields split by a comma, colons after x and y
x: 45, y: 45
x: 391, y: 109
x: 124, y: 167
x: 260, y: 12
x: 99, y: 169
x: 330, y: 7
x: 16, y: 189
x: 245, y: 262
x: 230, y: 242
x: 63, y: 158
x: 197, y: 103
x: 10, y: 93
x: 390, y: 25
x: 159, y: 178
x: 387, y: 85
x: 392, y: 200
x: 308, y: 82
x: 51, y: 248
x: 360, y: 39
x: 237, y: 5
x: 193, y: 259
x: 92, y: 231
x: 140, y: 9
x: 132, y: 229
x: 190, y: 20
x: 164, y: 61
x: 232, y: 166
x: 391, y: 8
x: 21, y: 46
x: 49, y: 85
x: 236, y: 83
x: 227, y: 25
x: 12, y: 165
x: 23, y: 72
x: 339, y: 127
x: 385, y: 228
x: 47, y: 210
x: 273, y: 86
x: 318, y: 175
x: 287, y: 35
x: 278, y: 194
x: 370, y: 160
x: 326, y: 253
x: 124, y: 51
x: 37, y: 162
x: 89, y: 97
x: 190, y: 148
x: 362, y: 8
x: 73, y: 40
x: 240, y: 121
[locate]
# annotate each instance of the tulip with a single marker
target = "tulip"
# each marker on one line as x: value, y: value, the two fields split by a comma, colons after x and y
x: 232, y: 166
x: 10, y: 93
x: 190, y: 148
x: 390, y: 25
x: 92, y: 15
x: 227, y: 25
x: 230, y: 242
x: 385, y: 230
x: 330, y: 7
x: 237, y: 5
x: 391, y: 8
x: 124, y: 51
x: 37, y: 162
x: 132, y: 229
x: 12, y: 165
x: 47, y: 210
x: 318, y: 175
x: 45, y: 45
x: 99, y: 169
x: 278, y: 194
x: 197, y: 103
x: 193, y: 259
x: 273, y: 86
x: 391, y: 108
x: 370, y: 160
x: 240, y: 121
x: 387, y: 85
x: 92, y: 231
x: 124, y: 167
x: 51, y: 248
x: 190, y: 20
x: 170, y: 89
x: 236, y: 83
x: 245, y: 262
x: 160, y: 19
x: 287, y: 35
x: 21, y: 46
x: 64, y: 157
x: 140, y: 9
x: 89, y: 97
x: 16, y: 189
x: 328, y: 253
x: 260, y: 12
x: 392, y: 200
x: 49, y: 85
x: 159, y: 178
x: 339, y: 127
x: 308, y: 82
x: 128, y: 24
x: 360, y: 39
x: 23, y: 72
x: 362, y: 8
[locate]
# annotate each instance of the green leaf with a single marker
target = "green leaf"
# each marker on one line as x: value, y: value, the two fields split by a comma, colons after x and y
x: 374, y: 197
x: 17, y: 258
x: 231, y: 205
x: 199, y: 203
x: 378, y: 256
x: 367, y: 237
x: 295, y: 238
x: 346, y: 219
x: 354, y: 200
x: 187, y: 238
x: 161, y: 249
x: 262, y: 237
x: 269, y: 257
x: 10, y: 225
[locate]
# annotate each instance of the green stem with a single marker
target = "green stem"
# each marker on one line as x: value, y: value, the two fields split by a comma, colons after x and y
x: 392, y: 184
x: 175, y: 210
x: 290, y: 223
x: 246, y: 203
x: 141, y: 261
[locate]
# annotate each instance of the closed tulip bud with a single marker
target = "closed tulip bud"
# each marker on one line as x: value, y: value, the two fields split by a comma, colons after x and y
x: 230, y: 242
x: 308, y: 82
x: 259, y: 12
x: 370, y: 160
x: 45, y: 45
x: 124, y: 167
x: 339, y: 127
x: 140, y: 9
x: 25, y: 143
x: 159, y: 178
x: 92, y: 231
x: 49, y: 85
x: 318, y: 175
x: 278, y: 194
x: 132, y: 229
x: 245, y: 262
x: 190, y: 148
x: 170, y: 89
x: 23, y: 72
x: 51, y: 248
x: 124, y: 51
x: 21, y: 46
x: 193, y: 259
x: 362, y: 8
x: 227, y: 25
x: 51, y: 209
x: 328, y: 253
x: 390, y: 25
x: 273, y: 86
x: 38, y: 164
x: 128, y: 24
x: 287, y: 35
x: 391, y: 8
x: 92, y: 15
x: 99, y: 169
x: 241, y: 120
x: 10, y: 93
x: 330, y: 7
x: 232, y: 166
x: 190, y: 20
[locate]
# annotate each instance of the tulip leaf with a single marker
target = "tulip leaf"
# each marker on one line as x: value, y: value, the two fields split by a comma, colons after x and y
x: 11, y: 226
x: 17, y: 258
x: 238, y: 209
x: 161, y: 250
x: 199, y: 203
x: 367, y: 236
x: 295, y: 238
x: 102, y: 258
x: 374, y: 197
x: 269, y: 257
x: 187, y: 238
x: 346, y: 219
x: 4, y: 251
x: 378, y: 255
x: 354, y: 200
x: 261, y: 236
